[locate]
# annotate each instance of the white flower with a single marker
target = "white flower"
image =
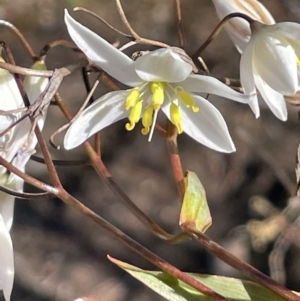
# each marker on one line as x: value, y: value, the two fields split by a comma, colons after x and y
x: 16, y: 146
x: 270, y: 63
x: 160, y: 80
x: 10, y: 100
x: 238, y: 29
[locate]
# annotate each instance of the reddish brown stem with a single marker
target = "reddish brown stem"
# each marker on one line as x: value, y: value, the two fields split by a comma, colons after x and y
x: 245, y: 268
x: 138, y: 248
x: 175, y: 158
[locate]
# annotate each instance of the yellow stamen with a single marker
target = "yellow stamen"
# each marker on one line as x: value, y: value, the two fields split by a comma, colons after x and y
x: 134, y: 116
x: 147, y: 120
x: 187, y: 99
x: 132, y: 98
x: 175, y: 116
x: 157, y: 89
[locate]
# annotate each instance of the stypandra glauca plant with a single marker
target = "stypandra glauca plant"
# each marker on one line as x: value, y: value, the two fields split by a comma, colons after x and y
x: 158, y: 102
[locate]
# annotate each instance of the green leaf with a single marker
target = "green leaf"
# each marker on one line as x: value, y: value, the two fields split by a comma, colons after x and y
x: 195, y: 214
x: 173, y: 289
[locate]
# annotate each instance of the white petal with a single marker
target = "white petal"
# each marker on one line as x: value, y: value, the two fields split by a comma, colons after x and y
x: 162, y: 65
x: 206, y: 126
x: 288, y: 29
x: 246, y: 69
x: 208, y: 84
x: 105, y: 111
x: 7, y: 203
x: 6, y: 261
x: 6, y: 200
x: 103, y: 54
x: 274, y: 100
x: 275, y: 61
x: 255, y: 107
x: 11, y: 98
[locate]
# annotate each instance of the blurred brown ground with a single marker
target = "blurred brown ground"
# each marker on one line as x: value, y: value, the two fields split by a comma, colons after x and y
x: 60, y: 255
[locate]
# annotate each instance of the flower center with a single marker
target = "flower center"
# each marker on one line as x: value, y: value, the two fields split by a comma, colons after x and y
x: 159, y: 92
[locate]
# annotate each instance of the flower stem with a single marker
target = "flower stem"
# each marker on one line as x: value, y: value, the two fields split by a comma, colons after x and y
x: 175, y: 158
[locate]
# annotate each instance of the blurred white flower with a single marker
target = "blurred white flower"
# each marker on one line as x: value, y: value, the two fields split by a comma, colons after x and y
x: 10, y: 100
x: 160, y: 80
x: 238, y: 29
x: 16, y: 146
x: 270, y: 63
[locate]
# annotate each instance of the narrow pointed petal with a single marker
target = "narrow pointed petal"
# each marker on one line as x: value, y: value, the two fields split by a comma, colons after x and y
x: 103, y: 112
x: 11, y: 98
x: 274, y: 100
x: 206, y: 126
x: 247, y: 71
x: 162, y: 65
x: 6, y: 261
x: 255, y: 107
x: 208, y: 84
x: 276, y: 62
x: 103, y: 54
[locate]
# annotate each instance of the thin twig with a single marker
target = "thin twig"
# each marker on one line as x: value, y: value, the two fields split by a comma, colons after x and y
x: 55, y: 43
x: 25, y: 71
x: 179, y: 24
x: 217, y: 31
x: 245, y: 268
x: 138, y: 39
x: 21, y: 37
x: 62, y: 162
x: 26, y: 195
x: 104, y: 22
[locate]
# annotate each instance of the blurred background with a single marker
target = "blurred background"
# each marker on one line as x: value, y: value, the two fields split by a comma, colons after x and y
x: 60, y: 255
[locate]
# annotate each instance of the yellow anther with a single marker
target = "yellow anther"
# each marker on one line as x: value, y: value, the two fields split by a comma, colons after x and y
x: 175, y: 116
x: 157, y: 89
x: 147, y: 120
x: 134, y: 116
x: 132, y: 98
x: 187, y: 99
x: 130, y: 126
x: 298, y: 61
